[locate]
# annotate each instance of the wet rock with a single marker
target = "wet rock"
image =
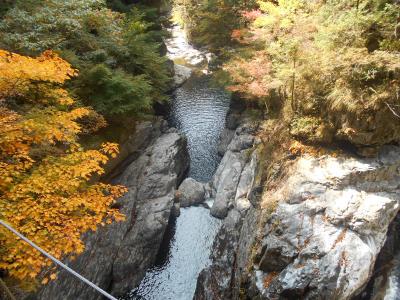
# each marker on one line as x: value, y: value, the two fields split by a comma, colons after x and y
x: 118, y: 255
x: 191, y: 192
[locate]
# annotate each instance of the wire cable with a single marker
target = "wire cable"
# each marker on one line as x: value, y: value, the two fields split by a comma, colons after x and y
x: 55, y: 260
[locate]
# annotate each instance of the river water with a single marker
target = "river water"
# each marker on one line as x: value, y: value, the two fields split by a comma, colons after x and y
x: 198, y: 110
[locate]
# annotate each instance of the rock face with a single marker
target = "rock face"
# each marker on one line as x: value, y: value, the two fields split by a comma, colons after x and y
x: 215, y: 282
x: 228, y: 183
x: 329, y: 226
x: 224, y: 141
x: 190, y: 192
x: 225, y: 182
x: 117, y: 255
x: 145, y: 133
x: 181, y: 74
x: 316, y: 234
x: 233, y: 187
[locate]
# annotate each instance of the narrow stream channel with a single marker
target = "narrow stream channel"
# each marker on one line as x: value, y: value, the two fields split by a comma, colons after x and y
x: 198, y: 110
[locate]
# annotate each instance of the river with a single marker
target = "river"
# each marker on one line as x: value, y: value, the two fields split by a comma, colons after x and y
x: 198, y: 110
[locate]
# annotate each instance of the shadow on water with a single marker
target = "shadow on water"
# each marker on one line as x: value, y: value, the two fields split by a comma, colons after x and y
x: 165, y: 247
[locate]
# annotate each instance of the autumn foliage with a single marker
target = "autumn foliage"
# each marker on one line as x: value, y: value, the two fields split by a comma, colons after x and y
x: 44, y: 172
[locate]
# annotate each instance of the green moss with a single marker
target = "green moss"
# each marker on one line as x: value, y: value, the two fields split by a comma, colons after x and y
x: 312, y: 129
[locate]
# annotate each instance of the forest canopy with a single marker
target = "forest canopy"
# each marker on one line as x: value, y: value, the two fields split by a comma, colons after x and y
x: 119, y: 54
x: 333, y: 66
x: 66, y: 67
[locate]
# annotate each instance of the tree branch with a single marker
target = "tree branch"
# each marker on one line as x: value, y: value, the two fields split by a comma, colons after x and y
x: 392, y: 110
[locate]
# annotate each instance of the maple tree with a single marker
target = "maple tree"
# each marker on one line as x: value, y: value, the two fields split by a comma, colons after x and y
x: 44, y: 173
x: 328, y: 67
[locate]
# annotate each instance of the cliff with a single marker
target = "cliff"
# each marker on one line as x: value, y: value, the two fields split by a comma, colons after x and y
x: 118, y: 255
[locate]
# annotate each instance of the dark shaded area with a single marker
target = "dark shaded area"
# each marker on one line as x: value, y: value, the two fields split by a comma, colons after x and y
x: 375, y: 288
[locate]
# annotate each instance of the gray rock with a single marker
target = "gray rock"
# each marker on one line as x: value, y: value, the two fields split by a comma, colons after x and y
x: 224, y: 141
x: 243, y: 191
x: 330, y: 225
x: 145, y: 133
x: 229, y: 172
x: 209, y: 190
x: 214, y: 281
x: 191, y: 192
x: 225, y: 272
x: 232, y: 185
x: 243, y: 138
x: 176, y: 210
x: 241, y: 142
x: 322, y: 240
x: 118, y: 255
x: 225, y: 182
x: 182, y: 74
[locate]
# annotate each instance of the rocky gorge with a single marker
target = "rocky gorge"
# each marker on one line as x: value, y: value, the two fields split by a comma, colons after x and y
x: 315, y: 235
x: 315, y: 227
x: 113, y: 251
x: 313, y: 231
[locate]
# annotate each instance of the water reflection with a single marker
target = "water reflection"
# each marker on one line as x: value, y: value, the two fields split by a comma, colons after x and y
x: 198, y: 110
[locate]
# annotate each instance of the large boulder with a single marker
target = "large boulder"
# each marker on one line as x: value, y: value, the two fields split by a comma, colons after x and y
x: 117, y: 255
x: 329, y: 226
x: 181, y: 75
x: 229, y: 250
x: 190, y: 192
x: 225, y: 182
x: 229, y: 172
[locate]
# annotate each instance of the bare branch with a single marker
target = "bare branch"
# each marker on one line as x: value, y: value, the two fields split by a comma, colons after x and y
x: 392, y: 110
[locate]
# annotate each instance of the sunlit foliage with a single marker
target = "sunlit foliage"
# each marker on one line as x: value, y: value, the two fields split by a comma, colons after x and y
x: 44, y: 173
x: 335, y: 63
x: 210, y: 23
